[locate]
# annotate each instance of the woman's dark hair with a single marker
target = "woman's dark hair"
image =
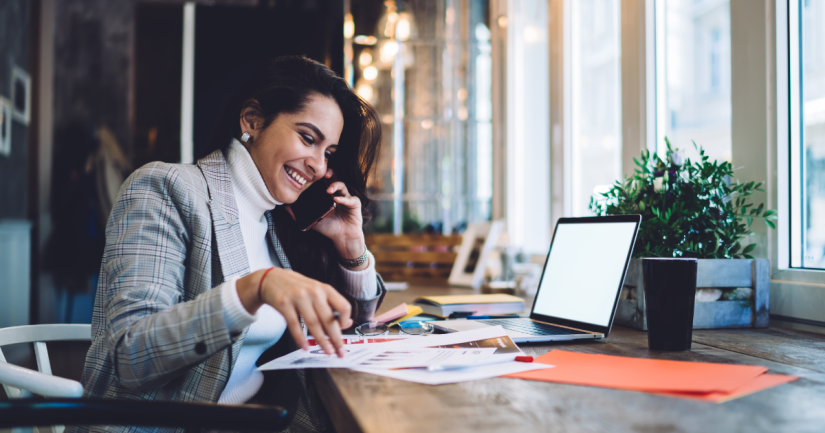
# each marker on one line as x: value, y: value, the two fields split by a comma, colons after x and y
x: 285, y: 85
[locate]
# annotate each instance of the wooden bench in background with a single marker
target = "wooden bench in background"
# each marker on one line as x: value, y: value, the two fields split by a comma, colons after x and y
x: 414, y: 258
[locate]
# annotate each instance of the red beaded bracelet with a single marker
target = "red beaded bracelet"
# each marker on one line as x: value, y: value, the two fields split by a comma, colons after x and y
x: 261, y: 283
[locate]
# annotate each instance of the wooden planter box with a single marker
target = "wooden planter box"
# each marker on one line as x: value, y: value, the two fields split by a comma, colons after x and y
x: 714, y: 273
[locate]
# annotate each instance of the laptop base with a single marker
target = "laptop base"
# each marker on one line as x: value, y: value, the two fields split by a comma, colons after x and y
x: 516, y: 336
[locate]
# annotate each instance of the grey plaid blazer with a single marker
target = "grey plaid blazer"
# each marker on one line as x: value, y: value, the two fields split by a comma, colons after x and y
x: 157, y: 327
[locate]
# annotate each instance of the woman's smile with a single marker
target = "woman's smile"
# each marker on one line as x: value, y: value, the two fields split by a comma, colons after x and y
x: 296, y: 177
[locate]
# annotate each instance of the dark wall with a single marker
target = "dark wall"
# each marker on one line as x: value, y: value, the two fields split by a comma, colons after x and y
x: 93, y: 66
x: 14, y: 51
x: 97, y: 79
x: 158, y: 68
x: 231, y: 40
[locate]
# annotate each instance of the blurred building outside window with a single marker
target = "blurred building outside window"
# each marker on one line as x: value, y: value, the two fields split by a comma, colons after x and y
x: 596, y: 99
x: 693, y: 86
x: 528, y: 125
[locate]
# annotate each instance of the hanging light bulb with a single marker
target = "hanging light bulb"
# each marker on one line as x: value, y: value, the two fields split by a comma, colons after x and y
x: 349, y: 26
x: 365, y: 91
x: 365, y: 59
x: 365, y: 40
x: 370, y: 73
x: 388, y: 51
x: 403, y: 28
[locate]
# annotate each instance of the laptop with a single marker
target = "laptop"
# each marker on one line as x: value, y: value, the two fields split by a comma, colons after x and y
x: 580, y: 285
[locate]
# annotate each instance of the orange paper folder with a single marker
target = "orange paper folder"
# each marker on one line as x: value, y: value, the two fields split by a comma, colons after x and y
x: 764, y: 381
x: 706, y: 381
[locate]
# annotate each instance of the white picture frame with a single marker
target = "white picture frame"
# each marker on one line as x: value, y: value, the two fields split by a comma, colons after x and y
x: 478, y: 241
x: 21, y: 95
x: 5, y: 126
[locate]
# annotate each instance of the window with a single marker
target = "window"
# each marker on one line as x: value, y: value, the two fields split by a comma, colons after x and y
x: 596, y: 99
x: 426, y: 68
x: 528, y: 133
x: 694, y: 76
x: 807, y: 125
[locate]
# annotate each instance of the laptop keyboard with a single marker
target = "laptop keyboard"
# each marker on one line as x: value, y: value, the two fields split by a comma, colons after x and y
x: 530, y: 327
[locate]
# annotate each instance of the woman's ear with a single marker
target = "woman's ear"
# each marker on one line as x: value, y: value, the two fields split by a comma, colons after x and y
x: 251, y: 120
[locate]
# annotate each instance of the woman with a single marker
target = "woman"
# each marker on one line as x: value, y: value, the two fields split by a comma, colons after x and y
x: 204, y: 269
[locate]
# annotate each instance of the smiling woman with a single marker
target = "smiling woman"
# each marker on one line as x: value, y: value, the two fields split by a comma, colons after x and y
x: 205, y: 272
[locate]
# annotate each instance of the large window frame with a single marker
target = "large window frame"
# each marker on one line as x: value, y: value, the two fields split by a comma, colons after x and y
x: 761, y: 137
x: 762, y: 113
x: 795, y: 292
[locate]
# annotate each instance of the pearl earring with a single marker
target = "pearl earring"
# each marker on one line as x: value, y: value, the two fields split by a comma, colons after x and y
x: 245, y: 137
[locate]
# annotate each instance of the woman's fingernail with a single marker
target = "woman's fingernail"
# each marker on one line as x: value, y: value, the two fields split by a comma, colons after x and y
x: 341, y: 352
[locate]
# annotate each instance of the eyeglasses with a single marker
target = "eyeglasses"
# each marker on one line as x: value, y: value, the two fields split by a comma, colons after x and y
x: 370, y: 329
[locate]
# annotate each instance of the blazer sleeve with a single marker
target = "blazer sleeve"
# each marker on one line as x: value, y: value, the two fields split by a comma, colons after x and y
x: 153, y: 333
x: 363, y: 310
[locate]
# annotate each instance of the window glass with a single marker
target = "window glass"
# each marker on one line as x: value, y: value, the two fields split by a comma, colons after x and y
x: 696, y: 67
x: 596, y: 118
x: 813, y: 129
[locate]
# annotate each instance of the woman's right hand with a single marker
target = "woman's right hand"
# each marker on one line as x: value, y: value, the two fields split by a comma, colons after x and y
x: 295, y: 296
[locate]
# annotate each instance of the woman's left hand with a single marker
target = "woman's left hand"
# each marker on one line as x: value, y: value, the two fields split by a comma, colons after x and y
x: 344, y: 224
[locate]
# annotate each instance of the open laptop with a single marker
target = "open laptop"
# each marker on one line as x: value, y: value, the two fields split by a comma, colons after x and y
x: 580, y: 286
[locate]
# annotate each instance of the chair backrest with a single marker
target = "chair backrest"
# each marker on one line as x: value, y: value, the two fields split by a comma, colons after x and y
x: 416, y: 258
x: 39, y: 335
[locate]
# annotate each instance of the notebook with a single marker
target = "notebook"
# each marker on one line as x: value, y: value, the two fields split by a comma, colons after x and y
x: 443, y: 306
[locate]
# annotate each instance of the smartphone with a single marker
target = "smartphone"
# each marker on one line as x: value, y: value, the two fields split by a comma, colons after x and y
x: 312, y: 205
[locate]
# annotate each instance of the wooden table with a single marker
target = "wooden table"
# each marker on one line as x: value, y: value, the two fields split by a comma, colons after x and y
x: 360, y: 402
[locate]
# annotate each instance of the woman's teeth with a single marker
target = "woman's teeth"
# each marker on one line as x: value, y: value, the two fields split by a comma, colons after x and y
x: 293, y: 174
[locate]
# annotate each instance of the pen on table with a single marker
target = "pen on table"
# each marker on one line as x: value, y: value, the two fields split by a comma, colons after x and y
x: 434, y: 368
x: 491, y: 317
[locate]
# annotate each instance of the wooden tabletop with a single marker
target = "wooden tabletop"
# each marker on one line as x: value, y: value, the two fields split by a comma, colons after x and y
x: 360, y: 402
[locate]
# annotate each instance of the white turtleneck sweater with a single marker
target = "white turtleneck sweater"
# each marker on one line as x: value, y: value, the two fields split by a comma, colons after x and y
x: 268, y: 325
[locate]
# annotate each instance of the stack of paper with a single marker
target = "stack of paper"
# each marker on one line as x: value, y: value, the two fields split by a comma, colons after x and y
x: 500, y: 363
x: 694, y: 380
x: 471, y: 355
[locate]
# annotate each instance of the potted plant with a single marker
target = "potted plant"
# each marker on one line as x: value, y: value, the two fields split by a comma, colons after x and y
x: 694, y: 209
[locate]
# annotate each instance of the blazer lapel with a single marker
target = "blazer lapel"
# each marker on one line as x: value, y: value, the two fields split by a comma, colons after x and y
x: 276, y: 243
x: 224, y: 210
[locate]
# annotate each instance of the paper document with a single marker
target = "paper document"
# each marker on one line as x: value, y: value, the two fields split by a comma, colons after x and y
x: 357, y: 339
x: 492, y: 336
x: 421, y: 375
x: 499, y: 364
x: 379, y: 356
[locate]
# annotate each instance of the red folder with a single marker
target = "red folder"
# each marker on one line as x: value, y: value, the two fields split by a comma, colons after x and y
x: 698, y: 380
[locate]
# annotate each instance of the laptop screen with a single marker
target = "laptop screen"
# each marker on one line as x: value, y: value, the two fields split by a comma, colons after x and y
x: 585, y: 266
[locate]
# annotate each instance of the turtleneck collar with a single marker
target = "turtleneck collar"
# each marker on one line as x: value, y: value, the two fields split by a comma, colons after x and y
x: 247, y: 181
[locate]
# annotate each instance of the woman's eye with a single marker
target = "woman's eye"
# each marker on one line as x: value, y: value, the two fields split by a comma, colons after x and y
x: 308, y: 139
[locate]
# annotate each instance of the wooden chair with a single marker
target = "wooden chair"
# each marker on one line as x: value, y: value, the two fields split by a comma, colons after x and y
x: 62, y: 404
x: 414, y: 258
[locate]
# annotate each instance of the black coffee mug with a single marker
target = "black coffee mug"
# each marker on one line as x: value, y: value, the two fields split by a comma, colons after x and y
x: 670, y: 294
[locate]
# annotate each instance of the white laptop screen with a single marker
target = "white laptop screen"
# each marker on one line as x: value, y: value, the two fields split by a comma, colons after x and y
x: 583, y: 271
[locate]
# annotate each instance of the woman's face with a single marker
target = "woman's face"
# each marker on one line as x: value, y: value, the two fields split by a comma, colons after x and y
x: 293, y: 151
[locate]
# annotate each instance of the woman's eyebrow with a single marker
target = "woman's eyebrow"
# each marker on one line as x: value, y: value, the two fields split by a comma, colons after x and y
x: 314, y: 129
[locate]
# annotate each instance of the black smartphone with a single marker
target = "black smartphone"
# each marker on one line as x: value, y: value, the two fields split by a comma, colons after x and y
x: 313, y: 205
